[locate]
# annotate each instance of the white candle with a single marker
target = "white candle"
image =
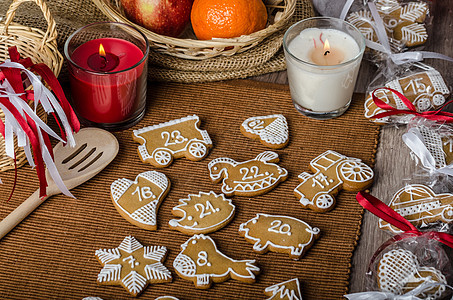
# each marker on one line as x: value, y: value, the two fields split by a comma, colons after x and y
x: 322, y: 65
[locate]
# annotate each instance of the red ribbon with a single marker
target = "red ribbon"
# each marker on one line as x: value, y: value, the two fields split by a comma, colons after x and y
x: 381, y: 210
x: 434, y: 115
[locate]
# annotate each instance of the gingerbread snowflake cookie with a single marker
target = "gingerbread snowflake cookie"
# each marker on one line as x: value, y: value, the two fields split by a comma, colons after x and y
x: 272, y: 130
x: 133, y: 266
x: 332, y: 172
x: 250, y: 178
x: 161, y: 143
x: 202, y: 263
x: 138, y: 201
x: 289, y: 289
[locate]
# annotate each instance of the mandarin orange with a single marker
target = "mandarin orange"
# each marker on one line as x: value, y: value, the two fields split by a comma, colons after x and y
x: 227, y: 18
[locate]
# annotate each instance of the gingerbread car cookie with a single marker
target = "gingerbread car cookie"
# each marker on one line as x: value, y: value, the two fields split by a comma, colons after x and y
x: 202, y: 213
x: 332, y: 172
x: 399, y: 272
x: 138, y: 201
x: 161, y: 143
x: 272, y: 130
x: 279, y: 234
x: 250, y: 178
x: 419, y: 205
x: 425, y: 90
x: 201, y: 262
x: 133, y: 266
x: 288, y: 290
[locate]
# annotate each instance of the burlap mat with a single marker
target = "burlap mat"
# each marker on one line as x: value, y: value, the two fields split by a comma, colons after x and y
x: 264, y: 58
x: 50, y: 255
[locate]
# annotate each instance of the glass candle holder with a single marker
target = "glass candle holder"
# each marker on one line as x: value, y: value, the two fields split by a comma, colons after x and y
x: 108, y: 64
x: 323, y: 57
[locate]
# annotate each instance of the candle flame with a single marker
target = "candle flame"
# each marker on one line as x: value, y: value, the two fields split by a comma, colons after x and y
x: 101, y: 50
x: 326, y: 45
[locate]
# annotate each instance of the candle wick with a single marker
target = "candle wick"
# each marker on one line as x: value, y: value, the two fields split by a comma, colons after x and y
x: 104, y: 61
x: 327, y: 52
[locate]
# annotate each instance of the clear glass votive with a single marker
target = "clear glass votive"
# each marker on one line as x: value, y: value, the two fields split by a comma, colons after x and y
x: 108, y: 64
x: 323, y: 57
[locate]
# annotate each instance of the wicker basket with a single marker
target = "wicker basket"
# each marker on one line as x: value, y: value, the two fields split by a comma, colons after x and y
x: 40, y: 46
x: 188, y: 47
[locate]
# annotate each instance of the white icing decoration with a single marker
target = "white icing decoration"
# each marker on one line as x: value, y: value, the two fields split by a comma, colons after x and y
x: 276, y: 133
x: 296, y: 247
x: 134, y: 282
x: 347, y: 169
x: 109, y: 273
x: 107, y: 255
x: 413, y: 11
x: 156, y: 253
x: 282, y: 291
x: 157, y: 271
x: 132, y: 261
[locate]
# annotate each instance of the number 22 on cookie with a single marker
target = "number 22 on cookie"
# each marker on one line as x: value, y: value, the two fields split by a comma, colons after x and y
x: 206, y: 210
x: 253, y: 172
x: 173, y: 138
x: 144, y: 193
x: 279, y: 227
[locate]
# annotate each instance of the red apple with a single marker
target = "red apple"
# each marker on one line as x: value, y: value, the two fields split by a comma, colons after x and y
x: 165, y: 17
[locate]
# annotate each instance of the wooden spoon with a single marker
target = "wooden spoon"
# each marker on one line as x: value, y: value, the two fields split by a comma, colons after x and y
x: 95, y: 149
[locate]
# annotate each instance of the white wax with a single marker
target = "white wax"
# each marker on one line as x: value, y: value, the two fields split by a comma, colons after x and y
x: 322, y: 88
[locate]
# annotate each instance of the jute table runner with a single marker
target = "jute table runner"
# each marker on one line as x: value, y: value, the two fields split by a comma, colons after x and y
x: 50, y: 255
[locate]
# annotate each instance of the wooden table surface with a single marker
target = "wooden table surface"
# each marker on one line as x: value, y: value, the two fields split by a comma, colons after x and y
x: 394, y: 167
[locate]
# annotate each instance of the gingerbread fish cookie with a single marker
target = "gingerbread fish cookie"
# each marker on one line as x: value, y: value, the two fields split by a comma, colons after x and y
x: 202, y: 213
x: 133, y: 266
x: 425, y: 90
x: 250, y: 178
x: 202, y: 263
x: 419, y: 205
x: 332, y: 172
x: 138, y: 201
x: 288, y: 290
x: 399, y: 272
x: 272, y: 130
x: 161, y: 143
x: 279, y: 234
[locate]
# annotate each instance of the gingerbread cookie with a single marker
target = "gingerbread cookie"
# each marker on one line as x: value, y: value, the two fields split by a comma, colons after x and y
x: 202, y: 213
x: 161, y: 143
x: 288, y: 290
x: 399, y: 273
x: 332, y: 172
x: 250, y: 178
x: 425, y: 90
x: 138, y: 201
x: 166, y: 298
x: 419, y: 205
x: 133, y: 266
x: 279, y: 234
x: 272, y: 130
x: 201, y: 262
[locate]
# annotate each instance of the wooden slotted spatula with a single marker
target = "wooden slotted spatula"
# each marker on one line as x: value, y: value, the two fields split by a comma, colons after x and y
x: 95, y: 149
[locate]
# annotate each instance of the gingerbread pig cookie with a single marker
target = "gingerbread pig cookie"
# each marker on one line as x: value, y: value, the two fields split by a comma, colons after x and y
x: 272, y: 130
x: 250, y: 178
x: 132, y: 266
x: 399, y: 273
x: 202, y: 263
x: 138, y: 201
x: 425, y: 90
x: 332, y: 172
x: 161, y: 143
x: 202, y: 213
x: 419, y: 205
x: 279, y: 234
x: 288, y: 290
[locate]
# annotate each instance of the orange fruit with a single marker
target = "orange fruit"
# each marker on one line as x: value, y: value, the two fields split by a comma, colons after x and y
x: 227, y: 18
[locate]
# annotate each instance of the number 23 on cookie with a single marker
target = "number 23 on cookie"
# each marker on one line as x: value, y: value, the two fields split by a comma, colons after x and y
x: 144, y: 192
x: 173, y: 138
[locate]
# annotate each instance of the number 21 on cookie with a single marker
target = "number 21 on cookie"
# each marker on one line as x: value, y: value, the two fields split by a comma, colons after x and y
x: 144, y: 193
x: 205, y: 210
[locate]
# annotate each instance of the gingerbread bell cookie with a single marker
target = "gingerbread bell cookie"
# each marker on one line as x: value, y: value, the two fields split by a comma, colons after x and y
x: 202, y: 213
x: 271, y: 131
x: 288, y: 290
x: 250, y: 178
x: 161, y: 143
x: 202, y: 263
x: 138, y: 201
x: 279, y: 234
x: 399, y: 273
x: 133, y: 266
x: 332, y: 172
x: 419, y: 205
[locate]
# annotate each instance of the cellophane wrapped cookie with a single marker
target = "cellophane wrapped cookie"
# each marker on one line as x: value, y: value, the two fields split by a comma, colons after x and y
x: 406, y: 89
x: 409, y: 265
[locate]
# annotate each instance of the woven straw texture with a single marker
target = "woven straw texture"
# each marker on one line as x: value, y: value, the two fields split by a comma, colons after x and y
x: 50, y: 255
x: 265, y: 58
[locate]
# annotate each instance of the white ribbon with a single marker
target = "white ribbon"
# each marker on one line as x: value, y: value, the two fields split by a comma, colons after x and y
x: 414, y: 140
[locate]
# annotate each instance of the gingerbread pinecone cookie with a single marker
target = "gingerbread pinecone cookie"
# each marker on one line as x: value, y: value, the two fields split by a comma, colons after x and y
x: 289, y: 289
x: 271, y: 131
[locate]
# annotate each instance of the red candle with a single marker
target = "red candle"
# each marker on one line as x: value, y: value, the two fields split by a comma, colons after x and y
x: 108, y: 85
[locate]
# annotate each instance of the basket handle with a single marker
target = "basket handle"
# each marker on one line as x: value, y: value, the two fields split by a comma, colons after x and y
x: 51, y: 32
